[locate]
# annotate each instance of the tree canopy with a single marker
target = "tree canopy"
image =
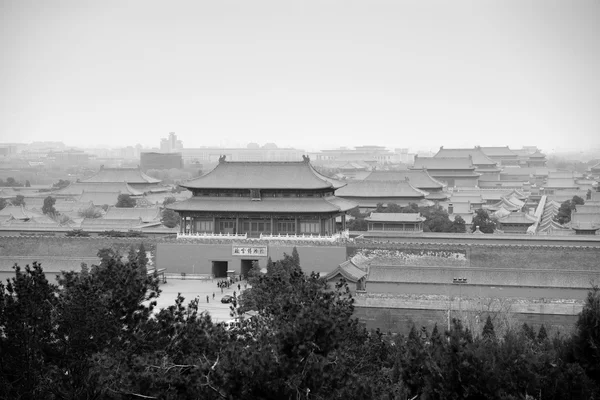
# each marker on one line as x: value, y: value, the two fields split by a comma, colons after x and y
x: 125, y: 201
x: 566, y: 208
x: 483, y: 220
x: 170, y: 218
x: 48, y: 207
x: 97, y: 335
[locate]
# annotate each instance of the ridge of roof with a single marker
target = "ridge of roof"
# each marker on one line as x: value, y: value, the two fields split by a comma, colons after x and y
x: 104, y: 176
x: 478, y: 156
x: 263, y: 175
x: 419, y: 178
x: 497, y: 151
x: 375, y: 188
x: 348, y: 270
x: 443, y: 163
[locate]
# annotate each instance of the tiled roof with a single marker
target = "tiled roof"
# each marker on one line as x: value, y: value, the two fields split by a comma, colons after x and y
x: 561, y: 183
x: 498, y: 151
x: 143, y: 214
x: 477, y: 156
x: 18, y: 212
x: 499, y: 184
x: 372, y: 202
x: 435, y: 163
x: 77, y: 188
x: 437, y: 196
x: 518, y: 171
x: 508, y: 204
x: 263, y: 175
x: 417, y: 177
x: 100, y: 198
x: 395, y: 217
x: 380, y: 189
x: 127, y: 175
x: 460, y: 207
x: 353, y: 166
x: 517, y: 218
x: 587, y: 209
x: 266, y: 205
x: 460, y: 197
x: 348, y: 270
x: 99, y: 224
x: 464, y: 173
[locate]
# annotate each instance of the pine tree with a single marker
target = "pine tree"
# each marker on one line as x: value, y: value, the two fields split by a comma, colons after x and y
x: 528, y: 331
x: 488, y: 330
x: 542, y: 335
x: 132, y: 255
x: 295, y: 257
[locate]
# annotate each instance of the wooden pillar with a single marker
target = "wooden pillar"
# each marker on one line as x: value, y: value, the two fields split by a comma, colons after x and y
x: 271, y: 224
x: 181, y: 223
x: 343, y: 222
x: 237, y: 224
x: 296, y: 226
x: 214, y: 224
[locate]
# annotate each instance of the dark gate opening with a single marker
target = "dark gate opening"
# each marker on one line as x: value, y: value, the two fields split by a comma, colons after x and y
x: 246, y: 267
x: 219, y: 269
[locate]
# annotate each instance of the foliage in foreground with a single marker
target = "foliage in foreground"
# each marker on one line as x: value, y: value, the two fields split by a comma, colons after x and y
x: 96, y: 335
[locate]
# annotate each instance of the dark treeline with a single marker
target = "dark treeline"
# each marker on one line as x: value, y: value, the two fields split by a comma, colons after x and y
x: 96, y: 335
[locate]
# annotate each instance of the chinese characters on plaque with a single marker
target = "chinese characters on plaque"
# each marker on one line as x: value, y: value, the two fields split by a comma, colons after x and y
x: 260, y: 251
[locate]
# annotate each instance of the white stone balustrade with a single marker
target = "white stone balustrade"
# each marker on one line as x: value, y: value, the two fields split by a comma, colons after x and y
x: 209, y: 235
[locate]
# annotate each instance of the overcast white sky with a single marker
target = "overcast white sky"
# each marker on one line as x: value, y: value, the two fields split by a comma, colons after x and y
x: 309, y: 74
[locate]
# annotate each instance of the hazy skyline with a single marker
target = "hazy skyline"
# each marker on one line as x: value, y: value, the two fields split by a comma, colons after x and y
x: 313, y: 74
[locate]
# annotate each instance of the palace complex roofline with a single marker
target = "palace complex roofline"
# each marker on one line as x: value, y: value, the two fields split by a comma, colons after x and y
x: 271, y: 175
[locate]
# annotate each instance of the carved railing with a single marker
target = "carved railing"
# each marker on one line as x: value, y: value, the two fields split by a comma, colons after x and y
x: 210, y: 235
x: 327, y: 238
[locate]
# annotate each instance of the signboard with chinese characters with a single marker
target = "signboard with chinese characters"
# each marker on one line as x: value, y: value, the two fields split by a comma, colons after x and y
x: 254, y: 251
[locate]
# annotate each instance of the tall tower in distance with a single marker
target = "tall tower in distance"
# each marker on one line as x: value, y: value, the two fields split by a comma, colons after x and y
x: 171, y: 144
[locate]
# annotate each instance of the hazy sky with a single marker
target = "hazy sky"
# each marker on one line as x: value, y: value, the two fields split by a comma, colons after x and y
x: 310, y: 74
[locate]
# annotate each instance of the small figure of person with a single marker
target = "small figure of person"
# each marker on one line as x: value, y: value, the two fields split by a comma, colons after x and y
x: 213, y: 295
x: 234, y: 293
x: 207, y: 298
x: 239, y: 287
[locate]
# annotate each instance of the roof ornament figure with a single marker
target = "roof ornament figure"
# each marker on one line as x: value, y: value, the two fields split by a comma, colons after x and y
x: 222, y: 159
x: 305, y: 158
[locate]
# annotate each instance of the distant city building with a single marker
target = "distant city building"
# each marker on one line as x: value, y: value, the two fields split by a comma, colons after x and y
x: 160, y: 161
x: 9, y: 149
x: 171, y: 144
x: 69, y: 157
x: 205, y: 155
x: 372, y: 155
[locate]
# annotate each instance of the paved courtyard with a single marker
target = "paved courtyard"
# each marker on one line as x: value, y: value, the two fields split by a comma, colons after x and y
x: 190, y: 289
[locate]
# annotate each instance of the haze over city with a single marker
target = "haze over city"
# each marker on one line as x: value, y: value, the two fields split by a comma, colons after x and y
x: 311, y: 75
